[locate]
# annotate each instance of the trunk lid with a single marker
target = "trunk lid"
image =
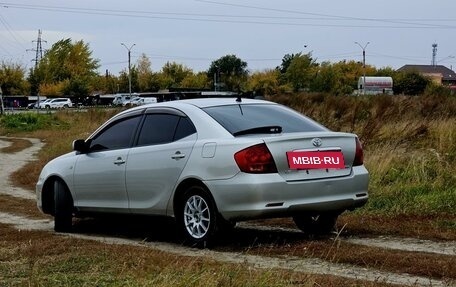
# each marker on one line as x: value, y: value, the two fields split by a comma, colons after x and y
x: 280, y: 144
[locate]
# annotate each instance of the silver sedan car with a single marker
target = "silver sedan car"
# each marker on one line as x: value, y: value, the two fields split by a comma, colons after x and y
x: 208, y: 163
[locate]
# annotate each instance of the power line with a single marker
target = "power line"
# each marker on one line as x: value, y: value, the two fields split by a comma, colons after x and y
x: 12, y: 34
x: 339, y: 17
x: 216, y: 17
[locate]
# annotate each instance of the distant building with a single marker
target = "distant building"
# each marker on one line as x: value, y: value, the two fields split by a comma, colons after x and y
x: 375, y: 85
x: 438, y: 74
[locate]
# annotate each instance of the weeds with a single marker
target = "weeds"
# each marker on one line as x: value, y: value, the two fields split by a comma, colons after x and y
x: 409, y: 144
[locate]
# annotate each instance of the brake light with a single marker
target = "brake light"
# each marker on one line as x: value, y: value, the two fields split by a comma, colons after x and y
x: 255, y: 159
x: 359, y: 155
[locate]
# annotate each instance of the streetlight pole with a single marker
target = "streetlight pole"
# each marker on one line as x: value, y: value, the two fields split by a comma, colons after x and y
x: 2, y: 108
x: 129, y: 65
x: 364, y: 64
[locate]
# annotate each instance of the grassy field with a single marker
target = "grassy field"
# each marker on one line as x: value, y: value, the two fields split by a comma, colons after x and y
x: 409, y: 144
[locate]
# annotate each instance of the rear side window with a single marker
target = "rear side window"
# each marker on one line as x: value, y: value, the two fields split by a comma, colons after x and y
x: 238, y: 118
x: 164, y: 128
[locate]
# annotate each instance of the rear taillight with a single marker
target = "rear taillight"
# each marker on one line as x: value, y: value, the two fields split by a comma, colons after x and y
x: 255, y: 159
x: 359, y: 155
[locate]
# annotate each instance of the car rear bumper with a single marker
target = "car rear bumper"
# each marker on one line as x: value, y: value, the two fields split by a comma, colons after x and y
x: 251, y: 196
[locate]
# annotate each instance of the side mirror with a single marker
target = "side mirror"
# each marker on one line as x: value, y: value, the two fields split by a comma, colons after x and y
x: 80, y: 146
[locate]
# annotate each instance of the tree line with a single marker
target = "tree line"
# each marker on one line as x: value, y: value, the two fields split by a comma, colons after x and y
x: 69, y: 69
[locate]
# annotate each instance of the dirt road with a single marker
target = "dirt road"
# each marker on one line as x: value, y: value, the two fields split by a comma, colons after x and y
x: 11, y: 162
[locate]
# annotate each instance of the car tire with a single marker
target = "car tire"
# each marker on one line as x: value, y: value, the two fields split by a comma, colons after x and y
x: 63, y: 208
x: 65, y: 106
x: 197, y: 217
x: 316, y: 224
x: 47, y: 107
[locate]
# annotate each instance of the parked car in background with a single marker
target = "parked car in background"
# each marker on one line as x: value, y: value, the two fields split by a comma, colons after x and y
x: 141, y: 101
x: 129, y: 101
x: 36, y: 104
x: 57, y: 103
x: 149, y: 100
x: 123, y: 99
x: 208, y: 163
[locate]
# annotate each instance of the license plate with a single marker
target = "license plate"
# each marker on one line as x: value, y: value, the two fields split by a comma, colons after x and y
x: 315, y: 160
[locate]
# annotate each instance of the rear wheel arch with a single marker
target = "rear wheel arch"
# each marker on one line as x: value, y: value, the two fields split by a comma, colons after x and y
x: 223, y: 224
x: 184, y: 186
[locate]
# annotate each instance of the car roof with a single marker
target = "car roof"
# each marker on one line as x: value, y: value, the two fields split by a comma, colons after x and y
x: 210, y: 102
x: 200, y: 103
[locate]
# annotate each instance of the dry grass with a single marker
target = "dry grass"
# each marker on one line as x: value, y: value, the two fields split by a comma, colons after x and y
x: 410, y: 145
x: 16, y: 145
x: 420, y: 264
x: 43, y: 259
x: 23, y: 207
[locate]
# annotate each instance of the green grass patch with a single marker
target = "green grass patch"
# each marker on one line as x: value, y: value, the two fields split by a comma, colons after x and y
x: 29, y: 122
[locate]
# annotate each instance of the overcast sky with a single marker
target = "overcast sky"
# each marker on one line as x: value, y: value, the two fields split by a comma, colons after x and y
x: 196, y: 32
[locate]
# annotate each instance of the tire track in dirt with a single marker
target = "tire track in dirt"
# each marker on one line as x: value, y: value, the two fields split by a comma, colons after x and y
x: 292, y: 263
x: 11, y: 162
x: 386, y: 242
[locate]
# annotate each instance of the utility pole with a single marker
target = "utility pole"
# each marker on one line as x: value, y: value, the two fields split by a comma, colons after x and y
x: 129, y: 65
x: 38, y: 56
x: 364, y: 64
x: 2, y: 108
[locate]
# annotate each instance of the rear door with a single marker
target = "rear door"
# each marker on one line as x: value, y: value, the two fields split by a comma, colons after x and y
x: 164, y: 145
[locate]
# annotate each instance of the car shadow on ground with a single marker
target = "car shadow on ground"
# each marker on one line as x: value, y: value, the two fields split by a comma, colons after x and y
x: 159, y: 229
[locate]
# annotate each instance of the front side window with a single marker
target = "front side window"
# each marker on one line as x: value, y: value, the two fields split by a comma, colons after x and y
x: 116, y: 136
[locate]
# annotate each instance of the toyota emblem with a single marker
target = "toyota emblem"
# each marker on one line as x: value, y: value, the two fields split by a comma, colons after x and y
x: 316, y: 142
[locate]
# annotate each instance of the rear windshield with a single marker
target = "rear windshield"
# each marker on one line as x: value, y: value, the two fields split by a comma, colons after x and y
x: 238, y: 118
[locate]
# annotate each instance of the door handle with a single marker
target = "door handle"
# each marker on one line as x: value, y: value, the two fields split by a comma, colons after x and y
x: 178, y: 155
x: 119, y: 161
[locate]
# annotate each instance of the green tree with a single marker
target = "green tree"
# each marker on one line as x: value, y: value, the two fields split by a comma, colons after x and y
x: 104, y: 84
x: 286, y: 61
x: 172, y: 75
x: 229, y: 70
x: 196, y: 81
x: 326, y: 79
x: 147, y: 81
x: 264, y: 82
x: 347, y: 74
x: 301, y: 71
x: 410, y: 83
x: 385, y: 72
x: 68, y: 62
x: 123, y: 82
x: 12, y: 79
